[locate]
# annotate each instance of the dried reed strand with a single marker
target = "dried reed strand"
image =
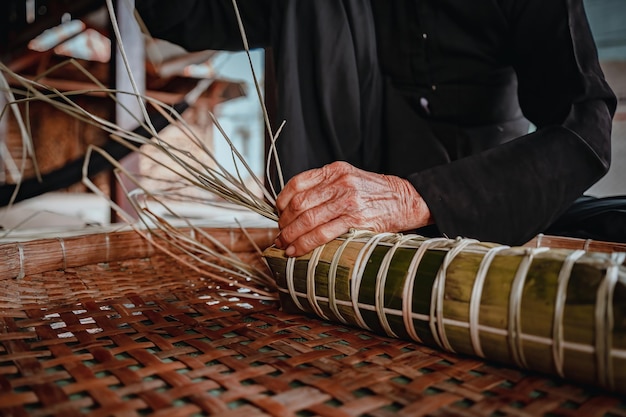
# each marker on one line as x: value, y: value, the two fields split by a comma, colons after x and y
x: 189, y: 169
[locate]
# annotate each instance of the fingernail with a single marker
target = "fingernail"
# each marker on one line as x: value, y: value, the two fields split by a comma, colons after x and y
x: 290, y: 251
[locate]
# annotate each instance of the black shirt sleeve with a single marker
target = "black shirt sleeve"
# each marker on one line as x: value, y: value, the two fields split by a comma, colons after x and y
x: 510, y: 193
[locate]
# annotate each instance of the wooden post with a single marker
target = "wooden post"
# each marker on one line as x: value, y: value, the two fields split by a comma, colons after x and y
x: 135, y: 52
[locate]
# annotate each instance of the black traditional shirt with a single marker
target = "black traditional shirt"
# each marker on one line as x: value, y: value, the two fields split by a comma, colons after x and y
x: 440, y: 92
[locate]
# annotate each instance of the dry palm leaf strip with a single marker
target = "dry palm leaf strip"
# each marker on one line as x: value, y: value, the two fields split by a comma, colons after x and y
x: 555, y: 311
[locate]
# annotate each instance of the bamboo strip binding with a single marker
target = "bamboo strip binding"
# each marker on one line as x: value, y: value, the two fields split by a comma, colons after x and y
x: 555, y: 311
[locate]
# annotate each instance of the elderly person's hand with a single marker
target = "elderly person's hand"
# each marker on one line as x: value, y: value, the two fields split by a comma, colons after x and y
x: 319, y: 205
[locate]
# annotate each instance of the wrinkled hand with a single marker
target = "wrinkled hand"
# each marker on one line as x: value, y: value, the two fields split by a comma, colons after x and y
x: 319, y: 205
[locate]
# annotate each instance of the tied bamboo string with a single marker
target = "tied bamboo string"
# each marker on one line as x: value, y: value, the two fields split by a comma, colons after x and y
x: 436, y: 320
x: 291, y: 263
x: 559, y: 309
x: 310, y: 281
x: 357, y: 274
x: 408, y: 292
x: 381, y: 281
x: 332, y: 272
x: 515, y: 335
x: 476, y: 296
x: 605, y: 321
x: 602, y: 346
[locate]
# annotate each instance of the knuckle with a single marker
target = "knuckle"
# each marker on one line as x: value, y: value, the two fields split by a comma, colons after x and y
x: 356, y: 221
x: 297, y: 203
x: 309, y: 217
x: 313, y: 240
x: 351, y: 181
x: 351, y: 205
x: 295, y: 184
x: 334, y: 168
x: 298, y: 182
x: 327, y: 235
x: 337, y: 164
x: 287, y: 236
x: 280, y: 203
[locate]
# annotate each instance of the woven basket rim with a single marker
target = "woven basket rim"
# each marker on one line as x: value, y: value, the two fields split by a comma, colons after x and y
x: 27, y: 257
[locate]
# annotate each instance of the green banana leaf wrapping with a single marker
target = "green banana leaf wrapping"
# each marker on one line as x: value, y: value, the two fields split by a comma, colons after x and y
x: 555, y: 311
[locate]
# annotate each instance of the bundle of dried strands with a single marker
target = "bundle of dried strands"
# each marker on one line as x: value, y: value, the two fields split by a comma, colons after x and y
x: 554, y: 311
x: 206, y: 254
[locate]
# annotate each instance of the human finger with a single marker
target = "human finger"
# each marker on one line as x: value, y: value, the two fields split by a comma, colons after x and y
x: 315, y: 217
x: 318, y: 200
x: 320, y: 235
x: 296, y: 185
x: 309, y: 180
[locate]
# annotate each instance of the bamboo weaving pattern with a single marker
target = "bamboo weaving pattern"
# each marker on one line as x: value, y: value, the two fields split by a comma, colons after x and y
x: 554, y: 311
x: 126, y: 331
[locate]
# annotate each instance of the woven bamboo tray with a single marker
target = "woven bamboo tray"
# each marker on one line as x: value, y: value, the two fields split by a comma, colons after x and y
x: 104, y: 325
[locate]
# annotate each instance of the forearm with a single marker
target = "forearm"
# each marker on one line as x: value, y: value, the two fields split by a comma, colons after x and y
x: 516, y: 190
x: 512, y: 192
